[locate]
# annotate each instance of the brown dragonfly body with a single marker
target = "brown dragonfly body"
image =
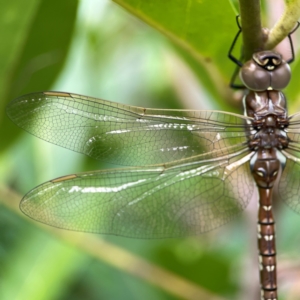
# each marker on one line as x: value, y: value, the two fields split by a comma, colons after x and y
x: 193, y: 170
x: 265, y: 75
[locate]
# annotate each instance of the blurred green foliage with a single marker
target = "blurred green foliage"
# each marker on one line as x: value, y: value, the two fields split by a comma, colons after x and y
x: 35, y: 43
x: 101, y: 50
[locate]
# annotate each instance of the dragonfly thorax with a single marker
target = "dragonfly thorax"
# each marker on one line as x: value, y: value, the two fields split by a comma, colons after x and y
x: 261, y: 104
x: 267, y: 138
x: 265, y: 71
x: 269, y: 113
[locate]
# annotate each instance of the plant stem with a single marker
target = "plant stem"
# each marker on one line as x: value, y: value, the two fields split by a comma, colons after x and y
x: 253, y: 37
x: 285, y: 24
x: 251, y: 24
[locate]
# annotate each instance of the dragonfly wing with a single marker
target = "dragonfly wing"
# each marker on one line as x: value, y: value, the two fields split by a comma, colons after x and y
x: 157, y: 201
x: 294, y: 122
x: 123, y: 134
x: 289, y: 188
x: 289, y: 184
x: 293, y: 132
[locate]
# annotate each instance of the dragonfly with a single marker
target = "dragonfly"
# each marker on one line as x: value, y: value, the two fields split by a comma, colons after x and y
x: 187, y: 171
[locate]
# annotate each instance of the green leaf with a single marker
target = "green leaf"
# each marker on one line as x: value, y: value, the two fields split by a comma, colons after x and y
x: 35, y: 38
x: 203, y: 29
x: 15, y: 20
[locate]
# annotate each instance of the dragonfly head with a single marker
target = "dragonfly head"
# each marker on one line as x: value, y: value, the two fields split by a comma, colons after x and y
x: 265, y: 71
x: 267, y: 60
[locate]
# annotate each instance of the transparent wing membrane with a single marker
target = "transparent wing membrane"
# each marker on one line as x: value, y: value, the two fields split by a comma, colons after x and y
x: 289, y: 184
x: 123, y: 134
x: 171, y: 200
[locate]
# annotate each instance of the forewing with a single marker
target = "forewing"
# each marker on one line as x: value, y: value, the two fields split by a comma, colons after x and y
x: 125, y: 134
x: 159, y: 201
x: 293, y: 134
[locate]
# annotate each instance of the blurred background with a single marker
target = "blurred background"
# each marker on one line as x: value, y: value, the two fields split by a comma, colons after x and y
x: 101, y: 49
